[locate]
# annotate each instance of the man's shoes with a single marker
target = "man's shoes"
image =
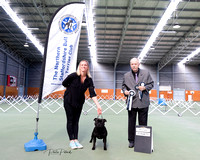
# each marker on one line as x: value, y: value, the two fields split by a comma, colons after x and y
x: 131, y: 144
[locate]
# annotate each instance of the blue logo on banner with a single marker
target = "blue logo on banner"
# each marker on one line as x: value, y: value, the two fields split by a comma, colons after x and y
x: 69, y: 24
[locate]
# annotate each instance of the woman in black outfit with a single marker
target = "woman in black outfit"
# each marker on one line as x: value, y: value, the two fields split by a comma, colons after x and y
x: 77, y: 83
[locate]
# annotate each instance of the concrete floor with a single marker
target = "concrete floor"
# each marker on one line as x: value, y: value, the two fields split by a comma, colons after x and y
x: 175, y: 138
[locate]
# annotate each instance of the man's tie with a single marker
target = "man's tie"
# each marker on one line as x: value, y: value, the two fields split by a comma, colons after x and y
x: 136, y: 77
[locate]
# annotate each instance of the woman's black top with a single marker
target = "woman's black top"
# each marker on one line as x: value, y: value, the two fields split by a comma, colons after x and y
x: 75, y: 92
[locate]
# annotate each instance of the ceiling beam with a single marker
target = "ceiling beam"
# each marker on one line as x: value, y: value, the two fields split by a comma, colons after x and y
x: 41, y: 14
x: 180, y: 46
x: 17, y: 39
x: 105, y: 23
x: 146, y: 8
x: 145, y: 16
x: 126, y: 22
x: 5, y: 49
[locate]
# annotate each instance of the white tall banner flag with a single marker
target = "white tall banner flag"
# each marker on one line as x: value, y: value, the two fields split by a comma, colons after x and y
x: 62, y: 46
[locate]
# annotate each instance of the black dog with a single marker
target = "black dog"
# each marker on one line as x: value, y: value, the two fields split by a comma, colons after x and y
x: 99, y: 132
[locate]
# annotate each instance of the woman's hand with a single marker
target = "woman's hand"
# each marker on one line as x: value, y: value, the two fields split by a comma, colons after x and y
x: 99, y: 110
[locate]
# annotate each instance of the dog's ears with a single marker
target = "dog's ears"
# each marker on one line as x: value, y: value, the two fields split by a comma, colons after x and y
x: 104, y: 120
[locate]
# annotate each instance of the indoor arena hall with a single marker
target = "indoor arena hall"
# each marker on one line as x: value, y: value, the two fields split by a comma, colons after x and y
x: 100, y: 79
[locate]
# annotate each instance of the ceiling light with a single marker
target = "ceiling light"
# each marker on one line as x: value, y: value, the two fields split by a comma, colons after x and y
x: 167, y: 15
x: 4, y: 4
x: 168, y: 32
x: 90, y: 30
x: 84, y: 24
x: 176, y: 26
x: 152, y: 48
x: 26, y: 45
x: 33, y: 29
x: 196, y: 52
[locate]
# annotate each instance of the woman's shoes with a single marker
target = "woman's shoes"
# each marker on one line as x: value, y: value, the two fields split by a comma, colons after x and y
x: 72, y: 145
x: 75, y: 145
x: 78, y: 145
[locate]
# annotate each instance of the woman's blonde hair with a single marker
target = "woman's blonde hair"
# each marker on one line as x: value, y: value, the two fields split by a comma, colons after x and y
x: 88, y: 71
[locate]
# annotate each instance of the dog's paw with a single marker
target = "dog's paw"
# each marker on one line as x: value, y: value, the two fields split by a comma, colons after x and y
x: 105, y: 148
x: 90, y: 141
x: 93, y: 148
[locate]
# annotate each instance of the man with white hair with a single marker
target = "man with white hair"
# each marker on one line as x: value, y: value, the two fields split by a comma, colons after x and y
x: 141, y: 83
